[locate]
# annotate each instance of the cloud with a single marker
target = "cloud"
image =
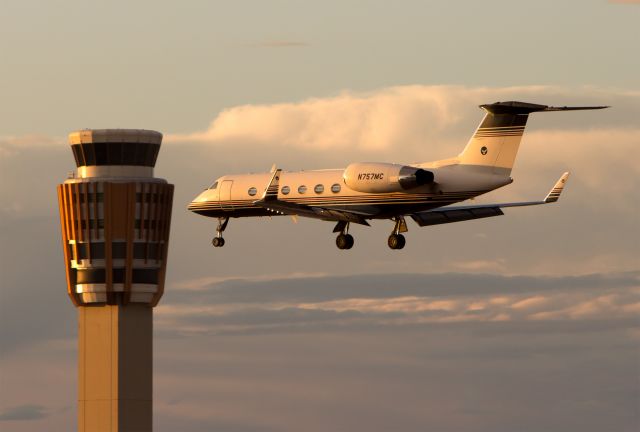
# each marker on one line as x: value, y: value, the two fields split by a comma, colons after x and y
x: 463, y: 375
x: 371, y: 120
x: 600, y: 156
x: 24, y: 413
x: 10, y: 145
x: 203, y: 283
x: 235, y: 290
x: 382, y: 352
x: 392, y: 351
x: 361, y: 301
x: 482, y: 265
x: 403, y: 117
x: 416, y: 122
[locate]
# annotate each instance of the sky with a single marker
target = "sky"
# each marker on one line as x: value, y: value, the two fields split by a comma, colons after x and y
x: 529, y: 321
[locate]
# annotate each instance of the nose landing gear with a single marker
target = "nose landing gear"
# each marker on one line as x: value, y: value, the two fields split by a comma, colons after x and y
x: 218, y: 241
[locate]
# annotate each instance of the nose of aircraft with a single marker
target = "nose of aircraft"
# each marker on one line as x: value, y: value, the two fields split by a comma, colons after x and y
x: 198, y: 201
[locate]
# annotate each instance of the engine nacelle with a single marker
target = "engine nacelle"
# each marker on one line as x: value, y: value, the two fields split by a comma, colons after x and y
x: 385, y: 177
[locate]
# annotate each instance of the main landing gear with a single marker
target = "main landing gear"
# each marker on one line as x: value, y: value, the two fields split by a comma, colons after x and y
x: 218, y: 241
x: 396, y: 240
x: 344, y: 239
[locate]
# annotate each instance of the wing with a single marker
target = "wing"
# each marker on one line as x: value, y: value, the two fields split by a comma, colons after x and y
x: 271, y: 202
x: 463, y: 213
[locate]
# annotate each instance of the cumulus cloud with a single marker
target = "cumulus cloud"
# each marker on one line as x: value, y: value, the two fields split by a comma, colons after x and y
x: 394, y: 118
x: 600, y: 156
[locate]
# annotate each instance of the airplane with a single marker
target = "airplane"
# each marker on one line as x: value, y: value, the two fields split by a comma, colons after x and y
x: 378, y: 190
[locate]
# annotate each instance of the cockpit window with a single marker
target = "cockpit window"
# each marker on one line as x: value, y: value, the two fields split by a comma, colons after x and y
x: 214, y: 185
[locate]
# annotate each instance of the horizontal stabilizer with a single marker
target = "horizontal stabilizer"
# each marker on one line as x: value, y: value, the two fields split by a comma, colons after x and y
x: 514, y: 107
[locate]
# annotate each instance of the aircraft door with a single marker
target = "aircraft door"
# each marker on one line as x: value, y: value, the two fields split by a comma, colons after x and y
x: 225, y: 195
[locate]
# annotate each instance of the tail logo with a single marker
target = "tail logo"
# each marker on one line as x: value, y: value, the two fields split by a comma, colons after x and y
x: 484, y: 151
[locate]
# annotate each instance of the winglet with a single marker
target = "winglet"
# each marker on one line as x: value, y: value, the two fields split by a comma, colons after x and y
x: 271, y: 192
x: 555, y: 192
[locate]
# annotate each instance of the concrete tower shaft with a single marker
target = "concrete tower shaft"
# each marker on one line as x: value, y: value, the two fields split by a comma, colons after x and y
x: 115, y: 219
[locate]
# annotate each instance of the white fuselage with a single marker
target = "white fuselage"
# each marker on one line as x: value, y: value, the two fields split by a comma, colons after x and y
x: 234, y: 195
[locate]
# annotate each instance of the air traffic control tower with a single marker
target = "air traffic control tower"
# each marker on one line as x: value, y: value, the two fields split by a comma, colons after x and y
x: 115, y: 218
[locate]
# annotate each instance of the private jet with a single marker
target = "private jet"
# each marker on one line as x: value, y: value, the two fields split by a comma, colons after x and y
x: 364, y: 191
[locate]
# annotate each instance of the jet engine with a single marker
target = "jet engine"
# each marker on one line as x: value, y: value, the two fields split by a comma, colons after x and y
x: 385, y: 177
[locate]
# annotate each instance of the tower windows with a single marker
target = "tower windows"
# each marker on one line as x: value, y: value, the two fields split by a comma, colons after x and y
x: 115, y: 153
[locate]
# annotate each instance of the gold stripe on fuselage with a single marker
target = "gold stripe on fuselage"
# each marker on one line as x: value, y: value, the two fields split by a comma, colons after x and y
x: 375, y: 200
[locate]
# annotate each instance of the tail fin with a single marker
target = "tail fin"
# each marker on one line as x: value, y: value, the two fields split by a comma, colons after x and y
x: 496, y: 141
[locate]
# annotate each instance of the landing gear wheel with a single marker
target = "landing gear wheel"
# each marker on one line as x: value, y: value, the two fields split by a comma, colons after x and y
x: 396, y: 241
x: 350, y: 241
x: 218, y: 241
x: 344, y: 241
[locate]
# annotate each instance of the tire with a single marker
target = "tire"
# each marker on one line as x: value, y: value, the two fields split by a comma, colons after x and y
x: 342, y: 241
x: 350, y: 241
x: 217, y: 242
x: 396, y: 241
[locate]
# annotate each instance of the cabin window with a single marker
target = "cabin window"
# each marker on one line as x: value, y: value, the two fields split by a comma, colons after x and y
x: 252, y: 191
x: 302, y: 189
x: 335, y: 188
x: 214, y: 185
x: 285, y: 190
x: 318, y: 189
